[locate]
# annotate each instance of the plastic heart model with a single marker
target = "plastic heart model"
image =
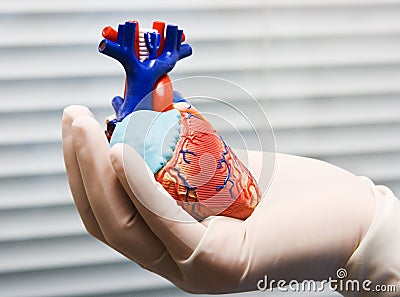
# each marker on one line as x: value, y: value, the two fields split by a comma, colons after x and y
x: 185, y: 153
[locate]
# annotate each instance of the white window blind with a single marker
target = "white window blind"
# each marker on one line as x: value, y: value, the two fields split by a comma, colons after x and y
x: 326, y: 72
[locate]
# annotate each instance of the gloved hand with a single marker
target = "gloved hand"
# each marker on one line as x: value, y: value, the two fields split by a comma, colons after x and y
x: 306, y: 226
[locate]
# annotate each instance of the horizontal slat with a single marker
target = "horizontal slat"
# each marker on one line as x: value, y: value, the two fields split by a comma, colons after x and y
x: 150, y: 292
x: 214, y: 72
x: 282, y: 22
x: 91, y: 35
x: 278, y: 84
x: 97, y: 92
x: 76, y: 6
x: 305, y: 113
x: 333, y: 21
x: 44, y: 222
x: 80, y: 281
x: 37, y: 62
x: 86, y: 28
x: 336, y: 111
x: 44, y: 254
x: 85, y: 61
x: 38, y: 127
x: 376, y: 166
x: 55, y: 94
x: 313, y: 82
x: 31, y: 127
x: 174, y: 292
x: 339, y: 141
x: 35, y: 159
x: 322, y: 142
x: 36, y: 191
x: 344, y: 81
x: 332, y: 51
x: 282, y: 84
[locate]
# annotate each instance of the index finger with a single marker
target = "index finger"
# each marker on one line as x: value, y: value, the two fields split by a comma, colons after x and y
x: 78, y: 191
x: 177, y: 229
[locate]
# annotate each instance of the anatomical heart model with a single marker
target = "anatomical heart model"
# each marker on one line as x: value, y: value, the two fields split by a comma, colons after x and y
x: 184, y: 152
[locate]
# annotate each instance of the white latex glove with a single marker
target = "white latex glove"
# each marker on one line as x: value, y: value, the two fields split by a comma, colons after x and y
x: 311, y: 220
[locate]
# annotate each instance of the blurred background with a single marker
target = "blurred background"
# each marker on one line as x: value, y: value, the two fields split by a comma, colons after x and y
x: 326, y: 72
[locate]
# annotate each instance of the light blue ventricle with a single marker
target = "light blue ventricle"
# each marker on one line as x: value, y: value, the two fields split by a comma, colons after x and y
x: 152, y: 134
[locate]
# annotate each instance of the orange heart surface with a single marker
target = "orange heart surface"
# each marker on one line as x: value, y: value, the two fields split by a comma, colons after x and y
x: 204, y: 175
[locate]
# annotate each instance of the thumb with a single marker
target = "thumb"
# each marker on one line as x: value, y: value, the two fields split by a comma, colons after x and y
x: 177, y: 229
